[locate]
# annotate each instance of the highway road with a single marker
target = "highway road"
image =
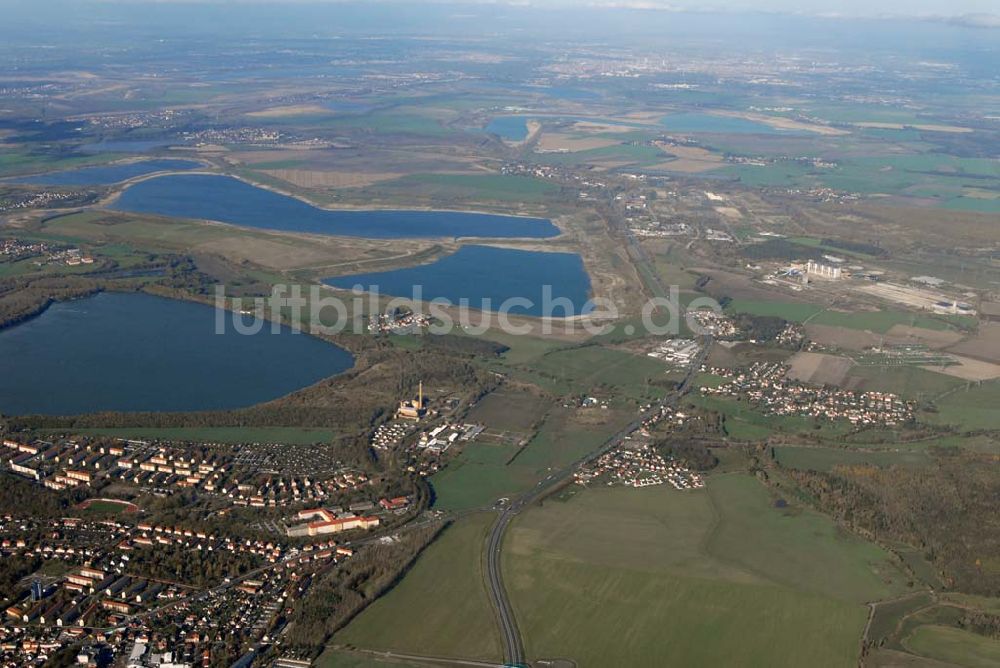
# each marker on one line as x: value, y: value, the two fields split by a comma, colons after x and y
x: 509, y: 633
x: 513, y: 648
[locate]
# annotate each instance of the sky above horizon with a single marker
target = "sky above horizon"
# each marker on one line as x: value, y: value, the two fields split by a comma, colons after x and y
x: 846, y: 8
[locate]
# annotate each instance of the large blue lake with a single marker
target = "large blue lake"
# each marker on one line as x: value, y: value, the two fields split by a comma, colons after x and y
x: 480, y: 273
x: 229, y: 200
x: 511, y: 128
x: 105, y: 174
x: 133, y: 351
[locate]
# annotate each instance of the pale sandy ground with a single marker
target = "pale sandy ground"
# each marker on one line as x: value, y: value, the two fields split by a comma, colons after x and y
x: 842, y: 337
x: 931, y: 338
x: 690, y: 152
x: 309, y: 178
x: 644, y: 116
x: 969, y: 369
x: 819, y: 368
x: 689, y: 159
x: 685, y: 166
x: 784, y: 123
x: 561, y: 142
x: 985, y: 345
x: 291, y: 110
x: 534, y: 127
x: 729, y: 212
x: 598, y: 127
x: 930, y: 127
x: 980, y: 193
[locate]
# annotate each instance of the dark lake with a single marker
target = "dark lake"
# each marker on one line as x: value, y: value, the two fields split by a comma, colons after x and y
x: 511, y: 128
x: 229, y: 200
x: 478, y: 273
x: 137, y: 352
x: 105, y: 174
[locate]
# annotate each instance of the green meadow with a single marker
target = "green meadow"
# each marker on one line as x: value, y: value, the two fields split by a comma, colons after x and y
x: 713, y: 577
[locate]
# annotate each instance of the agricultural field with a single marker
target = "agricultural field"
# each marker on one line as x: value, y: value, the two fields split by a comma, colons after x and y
x: 479, y: 476
x: 521, y: 349
x: 509, y: 409
x: 15, y: 163
x: 471, y: 187
x: 907, y: 381
x: 887, y: 615
x: 440, y: 608
x: 932, y: 178
x: 954, y: 646
x: 693, y: 563
x: 825, y: 459
x: 876, y: 321
x: 332, y: 658
x: 926, y: 627
x: 597, y: 369
x: 968, y: 407
x: 484, y: 472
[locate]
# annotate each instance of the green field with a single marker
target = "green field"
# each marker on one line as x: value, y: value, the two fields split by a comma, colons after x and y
x: 509, y: 409
x: 395, y: 121
x: 332, y: 658
x: 105, y: 508
x: 875, y: 321
x: 478, y: 477
x: 521, y: 348
x: 292, y: 435
x: 910, y: 382
x: 824, y: 459
x: 955, y: 646
x: 12, y: 163
x: 619, y: 153
x: 883, y: 440
x: 441, y: 607
x: 888, y: 615
x: 593, y: 368
x: 714, y: 577
x: 968, y: 409
x: 744, y: 423
x: 481, y: 474
x: 944, y: 179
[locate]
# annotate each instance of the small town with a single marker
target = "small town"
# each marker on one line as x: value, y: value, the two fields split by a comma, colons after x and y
x: 399, y: 322
x: 244, y: 476
x: 766, y: 386
x: 714, y: 324
x: 638, y: 465
x: 16, y: 249
x: 44, y: 199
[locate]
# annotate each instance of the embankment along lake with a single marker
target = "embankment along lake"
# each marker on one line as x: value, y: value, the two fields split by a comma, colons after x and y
x: 228, y: 200
x: 106, y: 174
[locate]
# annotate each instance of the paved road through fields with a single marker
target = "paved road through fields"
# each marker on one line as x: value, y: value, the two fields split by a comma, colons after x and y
x: 510, y: 635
